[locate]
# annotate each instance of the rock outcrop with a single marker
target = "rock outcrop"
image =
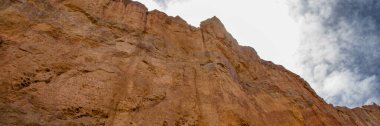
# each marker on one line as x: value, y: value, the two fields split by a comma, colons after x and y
x: 114, y: 63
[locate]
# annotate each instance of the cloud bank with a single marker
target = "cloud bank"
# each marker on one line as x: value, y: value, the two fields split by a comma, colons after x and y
x: 340, y: 49
x: 164, y: 3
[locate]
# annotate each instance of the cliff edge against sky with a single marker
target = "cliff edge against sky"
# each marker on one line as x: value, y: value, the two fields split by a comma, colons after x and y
x: 114, y: 63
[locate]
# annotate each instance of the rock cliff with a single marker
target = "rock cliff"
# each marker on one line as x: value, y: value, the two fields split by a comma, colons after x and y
x: 114, y: 63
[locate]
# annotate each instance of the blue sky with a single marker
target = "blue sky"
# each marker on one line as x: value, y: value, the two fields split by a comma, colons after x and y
x: 333, y: 44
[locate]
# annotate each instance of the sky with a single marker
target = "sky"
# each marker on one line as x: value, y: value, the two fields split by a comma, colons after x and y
x: 333, y: 44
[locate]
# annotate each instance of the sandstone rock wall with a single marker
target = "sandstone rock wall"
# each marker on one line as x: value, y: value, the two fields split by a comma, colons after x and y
x: 111, y: 62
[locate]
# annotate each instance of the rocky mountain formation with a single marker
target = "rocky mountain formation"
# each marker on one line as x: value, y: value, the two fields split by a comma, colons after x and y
x: 114, y: 63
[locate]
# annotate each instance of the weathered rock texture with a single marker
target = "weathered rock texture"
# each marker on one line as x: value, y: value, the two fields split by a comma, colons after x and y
x: 111, y: 62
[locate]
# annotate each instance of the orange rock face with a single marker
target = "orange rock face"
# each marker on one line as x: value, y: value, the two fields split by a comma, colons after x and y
x: 111, y: 62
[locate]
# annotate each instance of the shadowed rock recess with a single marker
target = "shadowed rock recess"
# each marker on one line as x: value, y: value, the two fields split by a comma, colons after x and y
x: 114, y: 63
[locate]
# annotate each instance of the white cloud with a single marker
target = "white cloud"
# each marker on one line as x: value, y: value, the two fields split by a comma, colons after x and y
x: 163, y: 3
x: 333, y: 51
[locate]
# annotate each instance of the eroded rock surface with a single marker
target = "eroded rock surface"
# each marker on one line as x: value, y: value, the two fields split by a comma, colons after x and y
x: 111, y: 62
